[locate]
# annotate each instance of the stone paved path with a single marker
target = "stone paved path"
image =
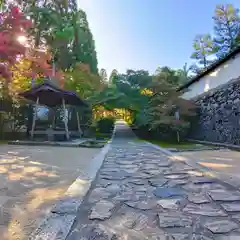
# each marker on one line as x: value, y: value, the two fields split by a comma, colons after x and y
x: 140, y: 193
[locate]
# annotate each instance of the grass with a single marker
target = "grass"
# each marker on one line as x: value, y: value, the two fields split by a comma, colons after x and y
x: 181, y: 145
x: 4, y: 142
x: 175, y: 145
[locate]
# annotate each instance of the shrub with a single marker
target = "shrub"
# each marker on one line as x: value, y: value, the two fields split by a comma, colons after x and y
x: 163, y: 132
x: 105, y: 125
x: 168, y: 132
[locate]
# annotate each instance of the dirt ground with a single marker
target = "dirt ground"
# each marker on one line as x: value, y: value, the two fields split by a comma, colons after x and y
x: 32, y: 179
x: 224, y: 162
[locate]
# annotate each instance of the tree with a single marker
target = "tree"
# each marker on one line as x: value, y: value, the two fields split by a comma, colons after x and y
x: 168, y: 75
x: 126, y: 93
x: 113, y: 77
x: 203, y: 48
x: 14, y: 25
x: 183, y: 73
x: 82, y: 81
x: 226, y: 28
x: 161, y: 108
x: 86, y: 41
x: 136, y: 79
x: 103, y: 75
x: 66, y: 31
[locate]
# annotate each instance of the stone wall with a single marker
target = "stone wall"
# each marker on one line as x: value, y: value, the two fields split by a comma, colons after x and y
x: 219, y: 115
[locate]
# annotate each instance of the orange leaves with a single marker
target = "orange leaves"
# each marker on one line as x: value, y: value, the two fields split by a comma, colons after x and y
x: 39, y: 62
x: 13, y: 24
x: 15, y: 48
x: 40, y: 66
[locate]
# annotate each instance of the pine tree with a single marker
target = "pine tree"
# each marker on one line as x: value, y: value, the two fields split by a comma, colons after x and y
x: 226, y: 28
x: 203, y: 48
x: 84, y: 46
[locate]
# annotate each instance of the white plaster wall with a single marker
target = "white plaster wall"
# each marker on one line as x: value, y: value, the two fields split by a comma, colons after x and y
x: 221, y: 75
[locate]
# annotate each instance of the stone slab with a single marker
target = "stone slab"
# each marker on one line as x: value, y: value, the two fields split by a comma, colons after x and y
x: 164, y: 192
x: 198, y: 198
x: 221, y: 226
x: 157, y: 182
x: 224, y: 195
x: 231, y: 207
x: 170, y: 203
x: 205, y: 209
x: 143, y: 205
x: 176, y: 219
x: 101, y: 210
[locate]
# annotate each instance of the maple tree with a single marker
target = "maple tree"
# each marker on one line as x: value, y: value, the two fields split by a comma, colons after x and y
x: 14, y: 28
x: 13, y: 25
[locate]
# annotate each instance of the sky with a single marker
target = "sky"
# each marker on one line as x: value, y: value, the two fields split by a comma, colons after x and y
x: 145, y: 34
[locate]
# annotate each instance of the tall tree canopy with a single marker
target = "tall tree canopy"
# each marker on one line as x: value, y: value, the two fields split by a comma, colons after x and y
x: 113, y: 76
x: 203, y: 48
x: 226, y: 28
x: 103, y: 75
x: 65, y: 29
x: 168, y: 75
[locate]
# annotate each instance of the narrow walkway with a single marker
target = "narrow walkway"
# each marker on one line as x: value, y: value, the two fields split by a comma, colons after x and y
x: 140, y: 194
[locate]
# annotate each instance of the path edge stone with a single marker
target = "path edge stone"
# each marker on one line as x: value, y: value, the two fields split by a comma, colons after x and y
x: 54, y: 225
x: 206, y: 171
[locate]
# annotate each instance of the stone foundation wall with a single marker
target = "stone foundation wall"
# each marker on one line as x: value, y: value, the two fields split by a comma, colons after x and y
x: 219, y: 115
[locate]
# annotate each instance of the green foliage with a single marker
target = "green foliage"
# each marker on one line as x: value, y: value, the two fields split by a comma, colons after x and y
x: 226, y: 28
x: 65, y: 29
x: 113, y: 77
x: 168, y: 75
x: 203, y: 48
x: 103, y: 75
x: 62, y: 28
x: 225, y: 38
x: 80, y: 80
x: 159, y: 114
x: 105, y: 125
x: 151, y: 101
x: 184, y: 74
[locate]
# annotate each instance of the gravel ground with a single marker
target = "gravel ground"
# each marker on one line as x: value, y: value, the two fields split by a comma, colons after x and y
x: 224, y: 163
x: 32, y: 179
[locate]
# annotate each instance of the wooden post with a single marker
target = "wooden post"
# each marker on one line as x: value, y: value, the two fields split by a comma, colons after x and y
x: 78, y: 123
x: 178, y: 137
x: 53, y: 69
x: 177, y: 116
x: 65, y: 119
x: 53, y: 122
x: 34, y: 118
